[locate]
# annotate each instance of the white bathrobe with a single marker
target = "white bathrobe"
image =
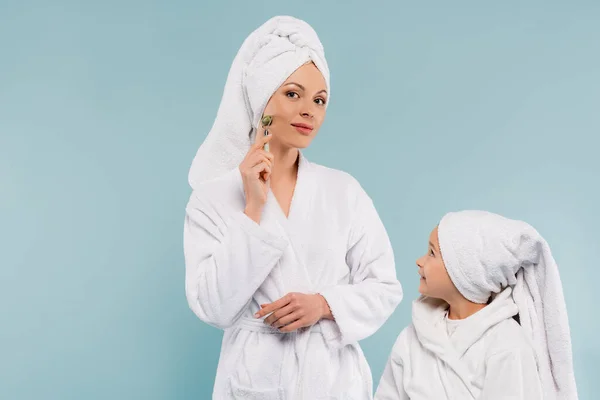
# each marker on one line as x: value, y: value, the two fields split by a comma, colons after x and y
x: 332, y: 243
x: 486, y: 356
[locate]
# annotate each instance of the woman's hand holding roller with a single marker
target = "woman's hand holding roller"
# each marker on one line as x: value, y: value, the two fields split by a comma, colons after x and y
x: 256, y: 170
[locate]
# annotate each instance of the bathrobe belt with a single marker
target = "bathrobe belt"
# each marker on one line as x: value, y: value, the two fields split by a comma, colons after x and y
x: 257, y: 325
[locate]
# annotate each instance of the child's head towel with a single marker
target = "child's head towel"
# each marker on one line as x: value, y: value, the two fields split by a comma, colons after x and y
x: 484, y: 253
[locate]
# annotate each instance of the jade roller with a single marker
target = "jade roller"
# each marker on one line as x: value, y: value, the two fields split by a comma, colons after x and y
x: 266, y: 121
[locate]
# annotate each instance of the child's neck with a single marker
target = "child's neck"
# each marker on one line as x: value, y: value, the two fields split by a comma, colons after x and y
x: 463, y: 308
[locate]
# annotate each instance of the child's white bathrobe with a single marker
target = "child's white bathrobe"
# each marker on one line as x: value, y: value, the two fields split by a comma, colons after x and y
x: 489, y: 356
x: 333, y: 243
x: 486, y: 356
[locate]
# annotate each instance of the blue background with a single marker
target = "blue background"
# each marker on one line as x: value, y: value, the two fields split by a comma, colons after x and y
x: 436, y: 106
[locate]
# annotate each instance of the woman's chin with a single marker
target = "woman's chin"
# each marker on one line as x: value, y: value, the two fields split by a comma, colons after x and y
x: 302, y: 142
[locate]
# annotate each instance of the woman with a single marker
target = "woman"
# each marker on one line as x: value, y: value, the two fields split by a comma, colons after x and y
x: 289, y: 257
x: 480, y: 272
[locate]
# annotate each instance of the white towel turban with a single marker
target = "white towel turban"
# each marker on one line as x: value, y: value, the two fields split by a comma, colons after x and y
x: 484, y: 253
x: 266, y: 59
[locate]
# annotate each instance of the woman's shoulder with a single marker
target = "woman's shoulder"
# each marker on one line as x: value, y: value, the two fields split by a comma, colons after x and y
x: 222, y: 190
x: 329, y: 173
x: 336, y: 178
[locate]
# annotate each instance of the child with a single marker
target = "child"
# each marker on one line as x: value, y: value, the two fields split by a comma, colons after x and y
x: 491, y: 322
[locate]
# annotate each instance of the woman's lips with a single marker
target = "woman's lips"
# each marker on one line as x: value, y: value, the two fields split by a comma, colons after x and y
x: 303, y: 129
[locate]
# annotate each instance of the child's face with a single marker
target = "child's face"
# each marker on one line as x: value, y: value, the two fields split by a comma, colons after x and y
x: 435, y: 281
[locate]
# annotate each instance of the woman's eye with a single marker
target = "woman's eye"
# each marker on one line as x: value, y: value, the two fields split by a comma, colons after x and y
x: 320, y: 101
x: 292, y: 94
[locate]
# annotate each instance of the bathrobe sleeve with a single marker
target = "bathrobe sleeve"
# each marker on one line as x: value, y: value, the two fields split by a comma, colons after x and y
x: 391, y: 384
x: 511, y: 374
x: 227, y: 258
x: 362, y: 306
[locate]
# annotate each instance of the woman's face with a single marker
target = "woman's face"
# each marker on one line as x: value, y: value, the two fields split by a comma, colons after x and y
x: 298, y: 108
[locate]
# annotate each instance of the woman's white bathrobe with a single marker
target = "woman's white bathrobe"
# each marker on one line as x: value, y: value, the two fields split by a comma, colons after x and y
x: 486, y: 356
x: 332, y: 243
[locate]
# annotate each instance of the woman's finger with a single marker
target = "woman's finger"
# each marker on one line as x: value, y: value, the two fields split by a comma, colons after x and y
x: 280, y: 313
x: 258, y: 158
x: 260, y: 167
x: 292, y: 327
x: 261, y: 140
x: 262, y: 170
x: 267, y: 174
x: 288, y: 319
x: 269, y: 308
x: 268, y: 155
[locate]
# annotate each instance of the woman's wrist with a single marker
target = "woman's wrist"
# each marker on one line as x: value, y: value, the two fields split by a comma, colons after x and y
x: 325, y: 310
x: 254, y: 213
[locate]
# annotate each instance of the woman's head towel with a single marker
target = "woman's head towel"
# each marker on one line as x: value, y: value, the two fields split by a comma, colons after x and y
x: 483, y: 254
x: 266, y: 59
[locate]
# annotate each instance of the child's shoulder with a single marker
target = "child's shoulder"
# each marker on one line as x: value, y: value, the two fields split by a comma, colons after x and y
x: 405, y: 340
x: 507, y: 337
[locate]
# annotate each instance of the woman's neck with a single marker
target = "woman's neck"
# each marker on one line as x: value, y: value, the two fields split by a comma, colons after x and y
x: 285, y: 163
